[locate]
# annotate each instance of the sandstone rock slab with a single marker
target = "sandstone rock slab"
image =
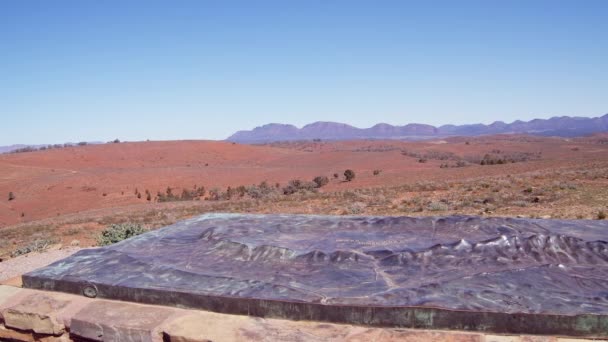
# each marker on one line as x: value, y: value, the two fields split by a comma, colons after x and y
x: 7, y: 292
x: 114, y: 321
x: 14, y: 335
x: 208, y: 326
x: 38, y: 313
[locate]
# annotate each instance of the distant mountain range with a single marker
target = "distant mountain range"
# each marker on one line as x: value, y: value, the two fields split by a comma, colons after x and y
x: 564, y: 126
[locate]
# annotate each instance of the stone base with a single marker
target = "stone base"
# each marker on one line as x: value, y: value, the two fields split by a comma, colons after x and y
x: 31, y: 315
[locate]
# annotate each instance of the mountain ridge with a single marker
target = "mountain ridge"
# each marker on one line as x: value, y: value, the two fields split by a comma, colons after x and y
x: 563, y: 126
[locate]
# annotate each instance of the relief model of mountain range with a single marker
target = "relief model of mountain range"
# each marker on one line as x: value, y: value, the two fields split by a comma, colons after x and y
x: 463, y: 272
x: 564, y: 126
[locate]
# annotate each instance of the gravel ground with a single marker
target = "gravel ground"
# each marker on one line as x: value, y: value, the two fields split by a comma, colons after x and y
x: 25, y: 263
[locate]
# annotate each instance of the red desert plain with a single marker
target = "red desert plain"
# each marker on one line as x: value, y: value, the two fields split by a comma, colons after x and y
x: 69, y: 195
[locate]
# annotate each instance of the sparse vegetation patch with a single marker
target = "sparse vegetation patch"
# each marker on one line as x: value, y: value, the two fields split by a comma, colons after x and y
x: 38, y: 245
x: 118, y: 232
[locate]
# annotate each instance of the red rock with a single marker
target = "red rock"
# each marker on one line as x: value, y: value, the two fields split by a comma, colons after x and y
x: 38, y: 313
x: 115, y: 321
x: 13, y: 335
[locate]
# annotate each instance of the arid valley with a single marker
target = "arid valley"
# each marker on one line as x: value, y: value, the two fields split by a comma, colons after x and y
x: 68, y: 195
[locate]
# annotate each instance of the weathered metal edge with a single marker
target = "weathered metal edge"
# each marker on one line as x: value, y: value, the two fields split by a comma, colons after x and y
x: 584, y: 325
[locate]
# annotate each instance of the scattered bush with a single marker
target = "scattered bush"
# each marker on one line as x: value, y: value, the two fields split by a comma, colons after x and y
x: 431, y: 154
x: 296, y: 185
x: 186, y: 195
x: 336, y: 175
x: 349, y: 175
x: 321, y: 181
x: 118, y: 232
x: 39, y: 245
x: 252, y: 191
x: 24, y: 149
x: 460, y: 163
x: 214, y: 194
x: 230, y: 192
x: 355, y: 208
x: 601, y: 215
x: 377, y: 172
x: 498, y: 157
x: 438, y: 206
x: 520, y: 203
x: 11, y: 196
x: 257, y: 191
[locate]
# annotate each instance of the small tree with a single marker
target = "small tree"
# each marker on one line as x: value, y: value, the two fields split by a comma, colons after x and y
x: 214, y: 194
x: 11, y: 196
x: 321, y: 181
x: 292, y: 187
x: 230, y: 192
x: 349, y: 175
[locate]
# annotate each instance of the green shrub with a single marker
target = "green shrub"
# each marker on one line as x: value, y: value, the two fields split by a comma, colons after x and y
x: 297, y: 185
x: 118, y: 232
x: 258, y: 191
x: 438, y: 206
x: 349, y: 175
x: 321, y: 181
x: 214, y: 194
x: 39, y: 245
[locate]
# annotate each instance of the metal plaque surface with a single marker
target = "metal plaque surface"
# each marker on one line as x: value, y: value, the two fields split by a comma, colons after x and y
x: 454, y: 272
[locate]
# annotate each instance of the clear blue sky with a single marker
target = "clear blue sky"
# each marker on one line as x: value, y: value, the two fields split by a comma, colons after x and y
x: 136, y: 70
